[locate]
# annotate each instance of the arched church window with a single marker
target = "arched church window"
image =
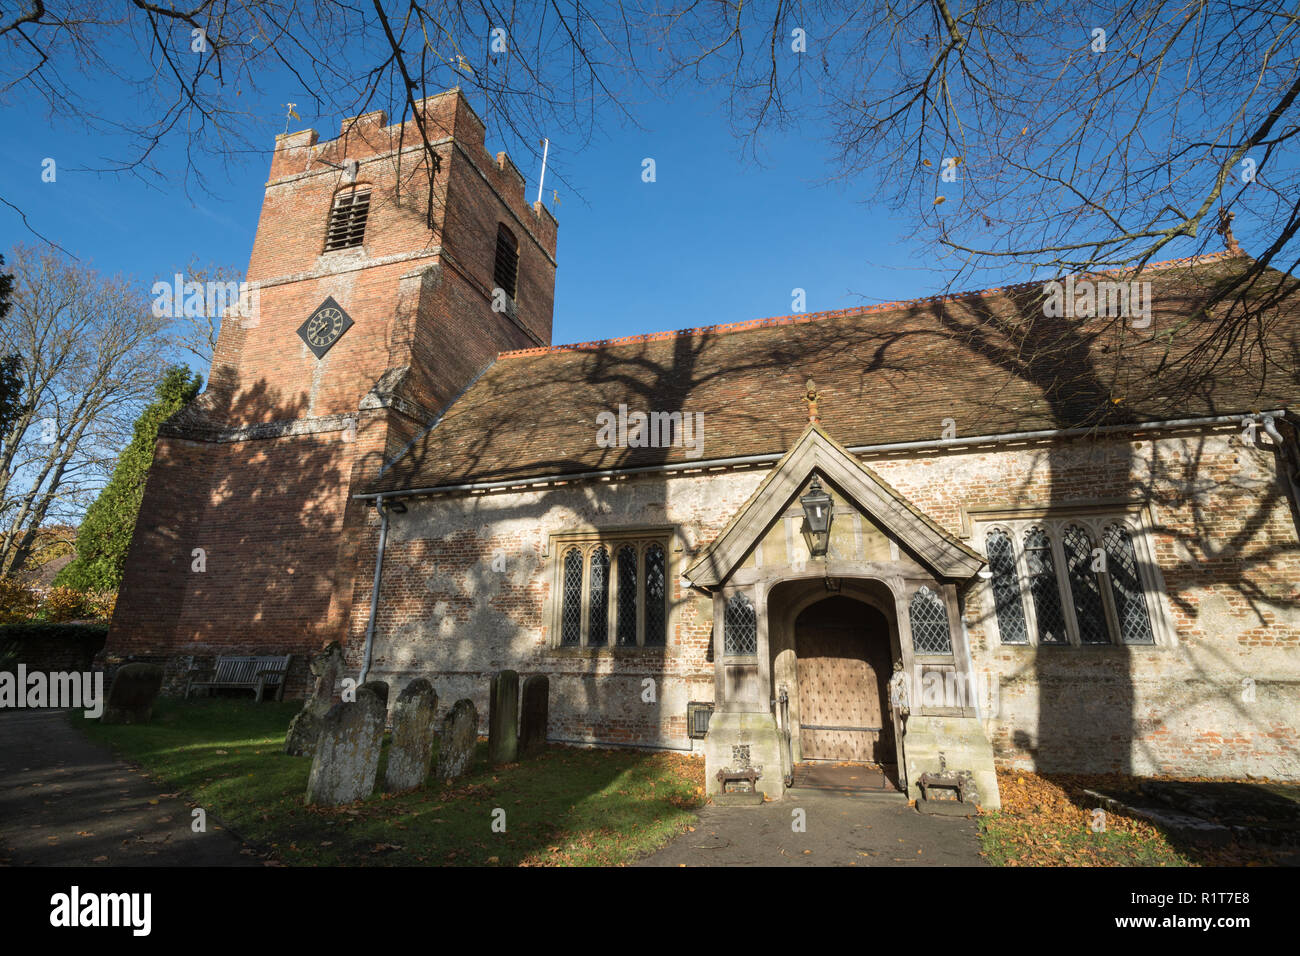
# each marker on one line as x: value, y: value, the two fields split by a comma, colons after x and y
x: 571, y: 612
x: 1006, y: 588
x: 598, y: 625
x: 739, y: 626
x: 625, y: 620
x: 929, y: 619
x: 505, y: 271
x: 1126, y: 586
x: 1085, y: 590
x: 656, y: 631
x: 348, y: 215
x: 1048, y: 616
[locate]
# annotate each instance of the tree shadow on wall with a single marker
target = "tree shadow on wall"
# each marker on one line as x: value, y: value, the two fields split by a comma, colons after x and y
x: 990, y: 363
x: 236, y: 543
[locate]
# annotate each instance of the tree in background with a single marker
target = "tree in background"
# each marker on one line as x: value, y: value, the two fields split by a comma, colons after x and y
x: 90, y: 351
x: 11, y: 381
x: 105, y: 534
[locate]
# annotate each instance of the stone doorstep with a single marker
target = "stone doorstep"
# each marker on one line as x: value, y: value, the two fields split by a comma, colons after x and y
x: 753, y: 799
x: 946, y: 808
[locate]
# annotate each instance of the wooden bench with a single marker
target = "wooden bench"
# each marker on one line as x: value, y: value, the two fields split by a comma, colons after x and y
x: 257, y: 674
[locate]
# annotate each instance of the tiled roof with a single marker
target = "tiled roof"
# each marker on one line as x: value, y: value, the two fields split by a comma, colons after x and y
x: 988, y: 360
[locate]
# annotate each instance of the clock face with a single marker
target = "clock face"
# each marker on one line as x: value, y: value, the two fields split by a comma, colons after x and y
x: 324, y: 327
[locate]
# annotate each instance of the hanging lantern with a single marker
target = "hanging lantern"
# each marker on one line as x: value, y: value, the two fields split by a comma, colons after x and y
x: 817, y: 514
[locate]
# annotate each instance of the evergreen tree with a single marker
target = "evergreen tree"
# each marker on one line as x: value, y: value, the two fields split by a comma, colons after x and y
x: 105, y: 534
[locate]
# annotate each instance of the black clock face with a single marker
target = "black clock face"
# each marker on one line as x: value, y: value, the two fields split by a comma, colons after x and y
x: 324, y: 327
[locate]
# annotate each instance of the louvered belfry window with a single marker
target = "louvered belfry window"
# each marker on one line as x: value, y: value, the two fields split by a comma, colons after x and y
x: 505, y: 273
x: 347, y: 227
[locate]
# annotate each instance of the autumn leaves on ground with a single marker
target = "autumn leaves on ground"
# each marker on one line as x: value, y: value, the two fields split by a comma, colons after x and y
x: 1052, y: 822
x: 571, y: 806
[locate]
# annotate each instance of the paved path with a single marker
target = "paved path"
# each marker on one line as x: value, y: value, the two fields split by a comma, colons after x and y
x: 842, y: 830
x: 65, y: 801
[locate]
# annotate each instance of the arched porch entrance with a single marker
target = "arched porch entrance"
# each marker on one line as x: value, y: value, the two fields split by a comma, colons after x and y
x: 833, y: 653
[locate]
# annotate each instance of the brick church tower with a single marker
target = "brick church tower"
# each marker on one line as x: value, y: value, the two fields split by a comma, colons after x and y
x: 369, y: 323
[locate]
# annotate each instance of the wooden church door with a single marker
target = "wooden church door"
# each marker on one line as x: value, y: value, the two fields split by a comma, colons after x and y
x: 844, y: 663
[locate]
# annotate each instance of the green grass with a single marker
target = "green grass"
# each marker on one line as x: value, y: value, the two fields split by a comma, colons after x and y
x: 1007, y: 840
x: 570, y: 806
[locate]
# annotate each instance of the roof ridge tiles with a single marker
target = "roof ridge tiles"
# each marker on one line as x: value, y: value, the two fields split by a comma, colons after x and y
x: 796, y: 318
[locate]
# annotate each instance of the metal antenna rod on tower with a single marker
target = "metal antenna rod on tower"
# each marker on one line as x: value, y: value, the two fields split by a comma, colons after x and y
x: 546, y: 149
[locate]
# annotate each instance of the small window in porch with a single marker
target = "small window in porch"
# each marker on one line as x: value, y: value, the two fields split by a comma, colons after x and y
x: 929, y: 619
x: 740, y: 626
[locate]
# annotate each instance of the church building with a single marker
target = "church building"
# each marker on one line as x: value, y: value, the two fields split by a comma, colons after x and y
x: 1007, y: 528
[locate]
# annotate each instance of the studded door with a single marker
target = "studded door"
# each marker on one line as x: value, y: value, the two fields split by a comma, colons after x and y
x: 843, y: 661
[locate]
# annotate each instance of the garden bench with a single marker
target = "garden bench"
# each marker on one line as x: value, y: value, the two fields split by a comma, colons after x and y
x: 257, y: 674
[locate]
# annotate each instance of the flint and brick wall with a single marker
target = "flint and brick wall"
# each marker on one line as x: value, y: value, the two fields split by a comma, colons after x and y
x: 1220, y: 700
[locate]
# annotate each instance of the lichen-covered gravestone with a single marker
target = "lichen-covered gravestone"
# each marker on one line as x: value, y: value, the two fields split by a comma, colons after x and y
x: 458, y: 739
x: 411, y: 747
x: 533, y: 715
x: 304, y: 729
x: 503, y: 718
x: 378, y: 687
x: 347, y: 751
x: 131, y: 698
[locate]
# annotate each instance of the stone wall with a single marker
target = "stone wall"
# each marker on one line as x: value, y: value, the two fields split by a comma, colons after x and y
x: 1223, y: 538
x: 1226, y: 547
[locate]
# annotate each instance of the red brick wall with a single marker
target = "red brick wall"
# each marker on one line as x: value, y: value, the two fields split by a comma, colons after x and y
x: 272, y: 510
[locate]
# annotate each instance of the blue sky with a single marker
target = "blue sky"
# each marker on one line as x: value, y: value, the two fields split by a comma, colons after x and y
x: 717, y: 238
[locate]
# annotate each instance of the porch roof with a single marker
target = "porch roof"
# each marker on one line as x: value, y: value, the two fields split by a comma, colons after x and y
x: 816, y: 452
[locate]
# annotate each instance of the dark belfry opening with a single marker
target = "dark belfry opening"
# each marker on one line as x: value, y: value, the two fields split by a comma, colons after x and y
x: 505, y: 274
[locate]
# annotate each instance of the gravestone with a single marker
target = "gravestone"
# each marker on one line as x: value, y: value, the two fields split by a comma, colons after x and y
x: 533, y: 715
x: 304, y: 729
x: 347, y: 751
x: 457, y: 741
x: 133, y: 692
x: 378, y: 687
x: 411, y: 746
x: 503, y: 718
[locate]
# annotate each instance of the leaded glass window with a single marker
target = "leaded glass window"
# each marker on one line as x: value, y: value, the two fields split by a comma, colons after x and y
x: 655, y: 596
x: 611, y: 590
x: 739, y: 626
x: 1066, y: 596
x: 1006, y: 588
x: 598, y: 598
x: 1126, y: 586
x: 571, y: 612
x: 625, y: 620
x: 929, y: 619
x: 1085, y: 590
x: 1041, y: 570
